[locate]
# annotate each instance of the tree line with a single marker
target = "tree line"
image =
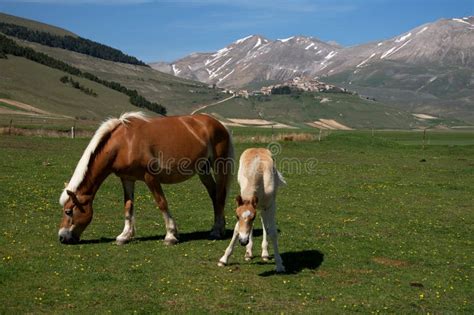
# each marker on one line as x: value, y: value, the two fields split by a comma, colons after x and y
x: 8, y: 46
x: 75, y: 84
x: 77, y: 44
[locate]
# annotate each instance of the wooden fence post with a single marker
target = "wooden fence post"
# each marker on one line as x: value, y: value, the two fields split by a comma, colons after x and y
x: 424, y: 137
x: 10, y: 127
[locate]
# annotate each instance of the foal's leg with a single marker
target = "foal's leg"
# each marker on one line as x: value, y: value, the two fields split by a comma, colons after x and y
x: 268, y: 216
x: 223, y: 261
x: 157, y: 191
x: 248, y: 249
x: 265, y: 256
x: 129, y: 228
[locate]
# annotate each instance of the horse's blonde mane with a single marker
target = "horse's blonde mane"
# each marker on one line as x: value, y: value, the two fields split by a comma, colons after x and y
x: 105, y: 128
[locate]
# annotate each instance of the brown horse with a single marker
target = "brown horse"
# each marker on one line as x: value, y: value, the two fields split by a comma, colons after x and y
x: 162, y: 150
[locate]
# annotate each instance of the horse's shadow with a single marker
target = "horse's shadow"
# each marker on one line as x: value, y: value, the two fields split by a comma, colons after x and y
x: 295, y: 262
x: 183, y: 237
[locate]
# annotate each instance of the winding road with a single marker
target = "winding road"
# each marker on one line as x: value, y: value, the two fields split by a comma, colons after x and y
x: 209, y: 105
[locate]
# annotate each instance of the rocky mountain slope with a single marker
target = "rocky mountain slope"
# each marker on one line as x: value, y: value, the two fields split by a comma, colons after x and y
x: 255, y: 59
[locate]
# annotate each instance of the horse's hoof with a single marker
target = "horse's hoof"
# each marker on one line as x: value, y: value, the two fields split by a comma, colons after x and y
x: 265, y: 258
x: 121, y: 241
x: 248, y: 257
x: 221, y: 264
x: 170, y: 242
x: 280, y: 269
x: 215, y: 235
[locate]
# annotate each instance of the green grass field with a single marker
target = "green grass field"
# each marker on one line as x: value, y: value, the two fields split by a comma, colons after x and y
x: 370, y: 225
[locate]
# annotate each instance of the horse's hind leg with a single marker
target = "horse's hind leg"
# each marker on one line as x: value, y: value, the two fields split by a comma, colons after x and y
x: 157, y: 191
x: 217, y: 231
x: 129, y: 228
x: 223, y: 176
x: 265, y: 256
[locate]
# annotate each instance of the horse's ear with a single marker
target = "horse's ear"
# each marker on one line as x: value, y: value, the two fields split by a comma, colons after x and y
x: 239, y: 200
x: 73, y: 197
x: 254, y: 201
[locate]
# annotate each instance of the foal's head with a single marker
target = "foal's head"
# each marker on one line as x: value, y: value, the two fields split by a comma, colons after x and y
x: 77, y: 214
x: 246, y: 212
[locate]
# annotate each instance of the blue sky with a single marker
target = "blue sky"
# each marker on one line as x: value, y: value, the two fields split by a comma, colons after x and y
x: 156, y: 30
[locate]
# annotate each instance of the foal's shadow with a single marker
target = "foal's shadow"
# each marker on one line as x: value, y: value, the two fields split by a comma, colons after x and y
x: 295, y: 262
x: 183, y: 237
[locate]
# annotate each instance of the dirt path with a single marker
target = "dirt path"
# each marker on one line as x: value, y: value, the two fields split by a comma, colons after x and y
x: 26, y: 109
x: 209, y: 105
x: 330, y: 124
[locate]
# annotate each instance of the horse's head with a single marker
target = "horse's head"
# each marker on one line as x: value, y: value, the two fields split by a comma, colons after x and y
x: 77, y: 214
x: 246, y: 212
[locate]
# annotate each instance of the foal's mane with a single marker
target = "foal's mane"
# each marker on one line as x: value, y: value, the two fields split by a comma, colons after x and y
x: 97, y: 140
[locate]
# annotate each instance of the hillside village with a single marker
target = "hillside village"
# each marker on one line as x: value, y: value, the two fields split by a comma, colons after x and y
x: 299, y: 84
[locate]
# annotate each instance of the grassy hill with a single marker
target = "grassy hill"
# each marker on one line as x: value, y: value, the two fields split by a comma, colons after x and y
x: 350, y: 110
x: 40, y: 86
x: 177, y: 95
x: 444, y: 91
x: 35, y: 25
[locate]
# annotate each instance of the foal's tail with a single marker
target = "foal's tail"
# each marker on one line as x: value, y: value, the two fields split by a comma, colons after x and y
x: 280, y: 178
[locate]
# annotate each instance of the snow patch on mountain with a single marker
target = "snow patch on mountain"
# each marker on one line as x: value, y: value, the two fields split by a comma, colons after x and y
x: 463, y: 21
x: 176, y: 71
x: 330, y: 55
x: 225, y: 77
x: 401, y: 39
x: 424, y: 29
x: 259, y: 42
x: 239, y: 41
x: 394, y: 50
x: 215, y: 73
x: 365, y: 61
x: 286, y: 39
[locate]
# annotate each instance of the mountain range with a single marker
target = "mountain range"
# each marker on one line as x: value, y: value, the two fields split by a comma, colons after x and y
x: 427, y: 69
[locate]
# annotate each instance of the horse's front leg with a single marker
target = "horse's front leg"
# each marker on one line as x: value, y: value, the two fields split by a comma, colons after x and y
x: 171, y: 237
x: 129, y: 228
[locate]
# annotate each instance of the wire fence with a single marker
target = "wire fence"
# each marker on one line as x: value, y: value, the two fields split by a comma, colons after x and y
x: 46, y: 126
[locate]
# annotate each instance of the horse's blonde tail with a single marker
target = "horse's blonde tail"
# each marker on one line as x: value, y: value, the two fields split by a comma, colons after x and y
x: 231, y: 158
